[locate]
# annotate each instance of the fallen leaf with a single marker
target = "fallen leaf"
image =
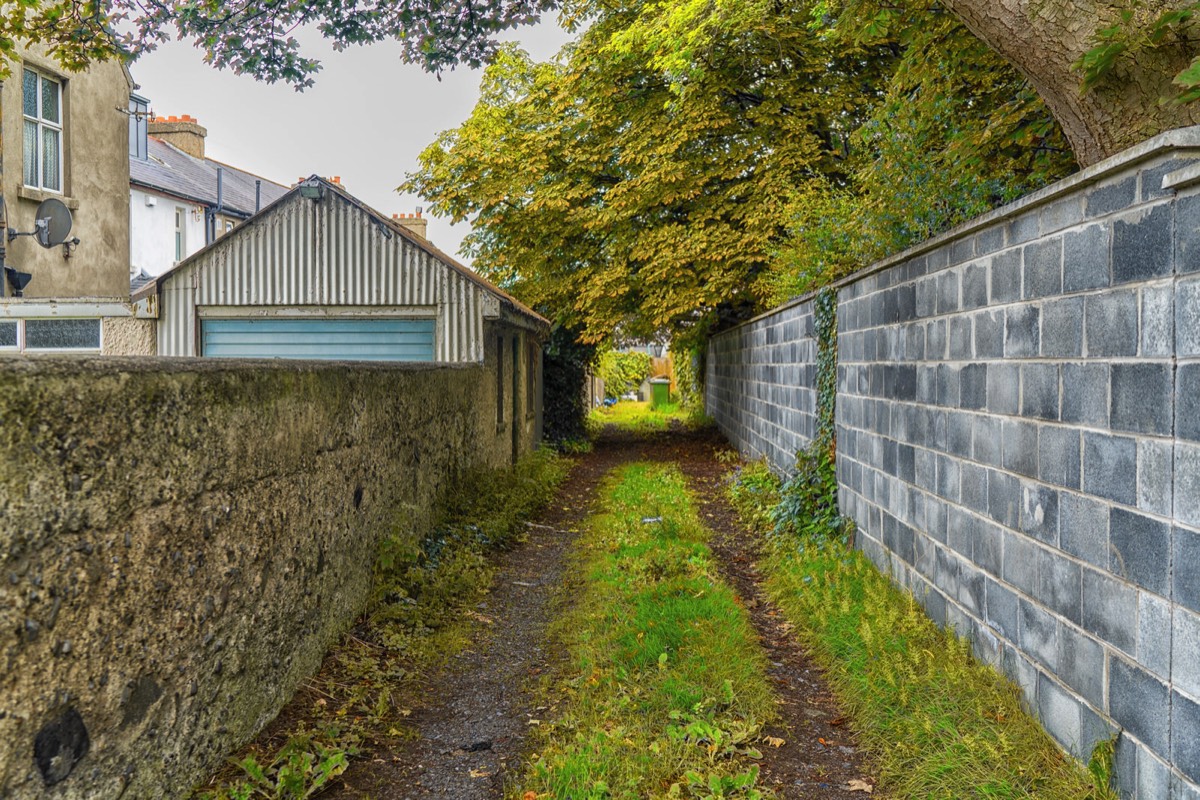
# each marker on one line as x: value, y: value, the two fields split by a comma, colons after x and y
x: 859, y: 786
x: 774, y: 741
x: 480, y: 773
x: 529, y: 796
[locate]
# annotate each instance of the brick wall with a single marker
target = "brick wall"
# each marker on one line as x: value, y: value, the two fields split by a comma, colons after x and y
x: 1019, y: 443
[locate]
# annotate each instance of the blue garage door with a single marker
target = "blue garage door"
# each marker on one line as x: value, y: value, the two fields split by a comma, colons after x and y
x: 348, y: 338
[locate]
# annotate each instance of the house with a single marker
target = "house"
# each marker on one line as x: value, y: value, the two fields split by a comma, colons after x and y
x: 179, y: 199
x: 68, y: 144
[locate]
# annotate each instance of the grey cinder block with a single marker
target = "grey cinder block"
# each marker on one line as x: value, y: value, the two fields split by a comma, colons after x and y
x: 1039, y: 634
x: 1155, y: 476
x: 1139, y: 702
x: 1043, y: 268
x: 1113, y: 197
x: 1062, y: 328
x: 1060, y: 584
x: 1081, y: 664
x: 1110, y: 467
x: 1022, y: 331
x: 1039, y: 512
x: 1002, y: 610
x: 1086, y: 258
x: 1185, y: 571
x: 1039, y: 391
x: 1058, y: 456
x: 1185, y: 669
x: 1187, y: 484
x: 1110, y: 610
x: 1021, y: 447
x: 1085, y: 393
x: 1187, y: 399
x: 1154, y: 634
x: 1187, y: 234
x: 1143, y: 398
x: 1006, y: 276
x: 1059, y: 712
x: 1187, y: 318
x: 1111, y: 324
x: 1158, y: 321
x: 1185, y: 736
x: 1141, y: 247
x: 1020, y: 562
x: 1141, y: 550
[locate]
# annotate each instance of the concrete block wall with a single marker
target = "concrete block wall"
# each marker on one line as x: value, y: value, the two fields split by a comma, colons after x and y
x: 1018, y: 419
x: 760, y: 381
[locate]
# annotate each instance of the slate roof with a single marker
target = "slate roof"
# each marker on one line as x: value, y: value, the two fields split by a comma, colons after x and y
x: 169, y: 169
x: 138, y: 281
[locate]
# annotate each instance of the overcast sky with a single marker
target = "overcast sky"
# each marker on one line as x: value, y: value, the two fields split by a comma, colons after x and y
x: 367, y: 119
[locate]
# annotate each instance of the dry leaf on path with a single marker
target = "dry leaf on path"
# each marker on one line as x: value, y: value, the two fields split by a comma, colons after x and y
x: 480, y: 773
x: 859, y: 786
x: 774, y: 741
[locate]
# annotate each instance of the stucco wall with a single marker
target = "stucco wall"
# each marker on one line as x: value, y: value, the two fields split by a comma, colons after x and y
x: 152, y: 247
x: 1018, y: 443
x: 181, y: 539
x: 96, y: 183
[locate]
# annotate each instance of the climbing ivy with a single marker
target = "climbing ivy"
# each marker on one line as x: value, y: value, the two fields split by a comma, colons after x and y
x: 825, y: 330
x: 808, y: 505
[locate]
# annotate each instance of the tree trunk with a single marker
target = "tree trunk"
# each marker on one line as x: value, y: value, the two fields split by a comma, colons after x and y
x: 1043, y: 38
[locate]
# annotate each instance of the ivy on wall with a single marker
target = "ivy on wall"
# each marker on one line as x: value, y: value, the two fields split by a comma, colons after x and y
x: 808, y: 505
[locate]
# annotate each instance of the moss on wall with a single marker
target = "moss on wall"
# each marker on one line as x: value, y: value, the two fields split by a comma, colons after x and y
x: 182, y: 539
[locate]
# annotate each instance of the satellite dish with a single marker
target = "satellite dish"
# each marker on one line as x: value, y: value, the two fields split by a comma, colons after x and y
x: 52, y: 223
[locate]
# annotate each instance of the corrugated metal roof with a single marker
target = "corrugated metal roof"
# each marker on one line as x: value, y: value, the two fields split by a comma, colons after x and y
x: 169, y: 169
x: 379, y: 219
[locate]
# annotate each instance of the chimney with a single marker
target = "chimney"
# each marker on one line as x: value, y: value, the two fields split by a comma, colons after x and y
x: 183, y: 132
x: 413, y: 223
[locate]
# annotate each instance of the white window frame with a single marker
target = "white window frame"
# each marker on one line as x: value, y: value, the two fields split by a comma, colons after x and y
x: 181, y: 218
x: 22, y: 346
x: 44, y: 124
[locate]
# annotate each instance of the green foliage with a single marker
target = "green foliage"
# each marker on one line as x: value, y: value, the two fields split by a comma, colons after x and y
x: 1137, y: 31
x: 622, y: 372
x: 424, y: 586
x: 686, y: 162
x: 565, y: 365
x: 663, y: 691
x: 808, y: 499
x: 938, y: 723
x: 642, y: 418
x: 825, y: 332
x: 688, y: 379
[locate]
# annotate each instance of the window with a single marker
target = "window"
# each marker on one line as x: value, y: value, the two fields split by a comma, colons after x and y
x: 139, y: 127
x: 43, y: 131
x: 180, y: 228
x: 31, y: 335
x: 228, y: 226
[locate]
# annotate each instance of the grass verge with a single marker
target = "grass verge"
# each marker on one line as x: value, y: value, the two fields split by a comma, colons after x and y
x: 938, y: 723
x: 636, y: 417
x: 420, y: 616
x: 665, y: 691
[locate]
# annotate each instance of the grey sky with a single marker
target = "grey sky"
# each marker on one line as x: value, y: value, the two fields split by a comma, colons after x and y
x: 367, y: 119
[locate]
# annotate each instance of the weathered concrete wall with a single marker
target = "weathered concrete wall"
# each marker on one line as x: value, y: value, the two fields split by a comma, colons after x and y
x: 1019, y: 443
x: 183, y: 538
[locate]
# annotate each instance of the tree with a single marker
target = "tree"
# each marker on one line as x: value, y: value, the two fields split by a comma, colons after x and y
x: 641, y: 184
x: 1055, y: 45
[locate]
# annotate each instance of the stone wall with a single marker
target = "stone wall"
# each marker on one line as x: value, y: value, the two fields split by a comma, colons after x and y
x: 182, y: 539
x: 1019, y: 443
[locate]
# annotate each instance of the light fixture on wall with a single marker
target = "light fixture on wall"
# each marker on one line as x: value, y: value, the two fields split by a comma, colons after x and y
x: 312, y: 189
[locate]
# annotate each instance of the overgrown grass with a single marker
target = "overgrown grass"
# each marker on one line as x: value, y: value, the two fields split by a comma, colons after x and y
x: 420, y: 616
x: 665, y: 691
x: 938, y: 723
x: 640, y: 417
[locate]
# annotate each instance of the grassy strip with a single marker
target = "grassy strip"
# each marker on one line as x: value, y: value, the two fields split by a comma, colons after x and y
x: 638, y: 417
x: 419, y: 618
x: 666, y: 690
x: 938, y: 723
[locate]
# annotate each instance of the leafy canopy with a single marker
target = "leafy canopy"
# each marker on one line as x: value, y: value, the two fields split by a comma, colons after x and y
x: 256, y: 37
x: 685, y: 163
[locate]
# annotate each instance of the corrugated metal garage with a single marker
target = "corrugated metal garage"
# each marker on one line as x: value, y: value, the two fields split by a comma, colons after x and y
x: 317, y: 274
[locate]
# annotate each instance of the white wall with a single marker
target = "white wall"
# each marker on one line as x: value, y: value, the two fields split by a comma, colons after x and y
x: 152, y: 231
